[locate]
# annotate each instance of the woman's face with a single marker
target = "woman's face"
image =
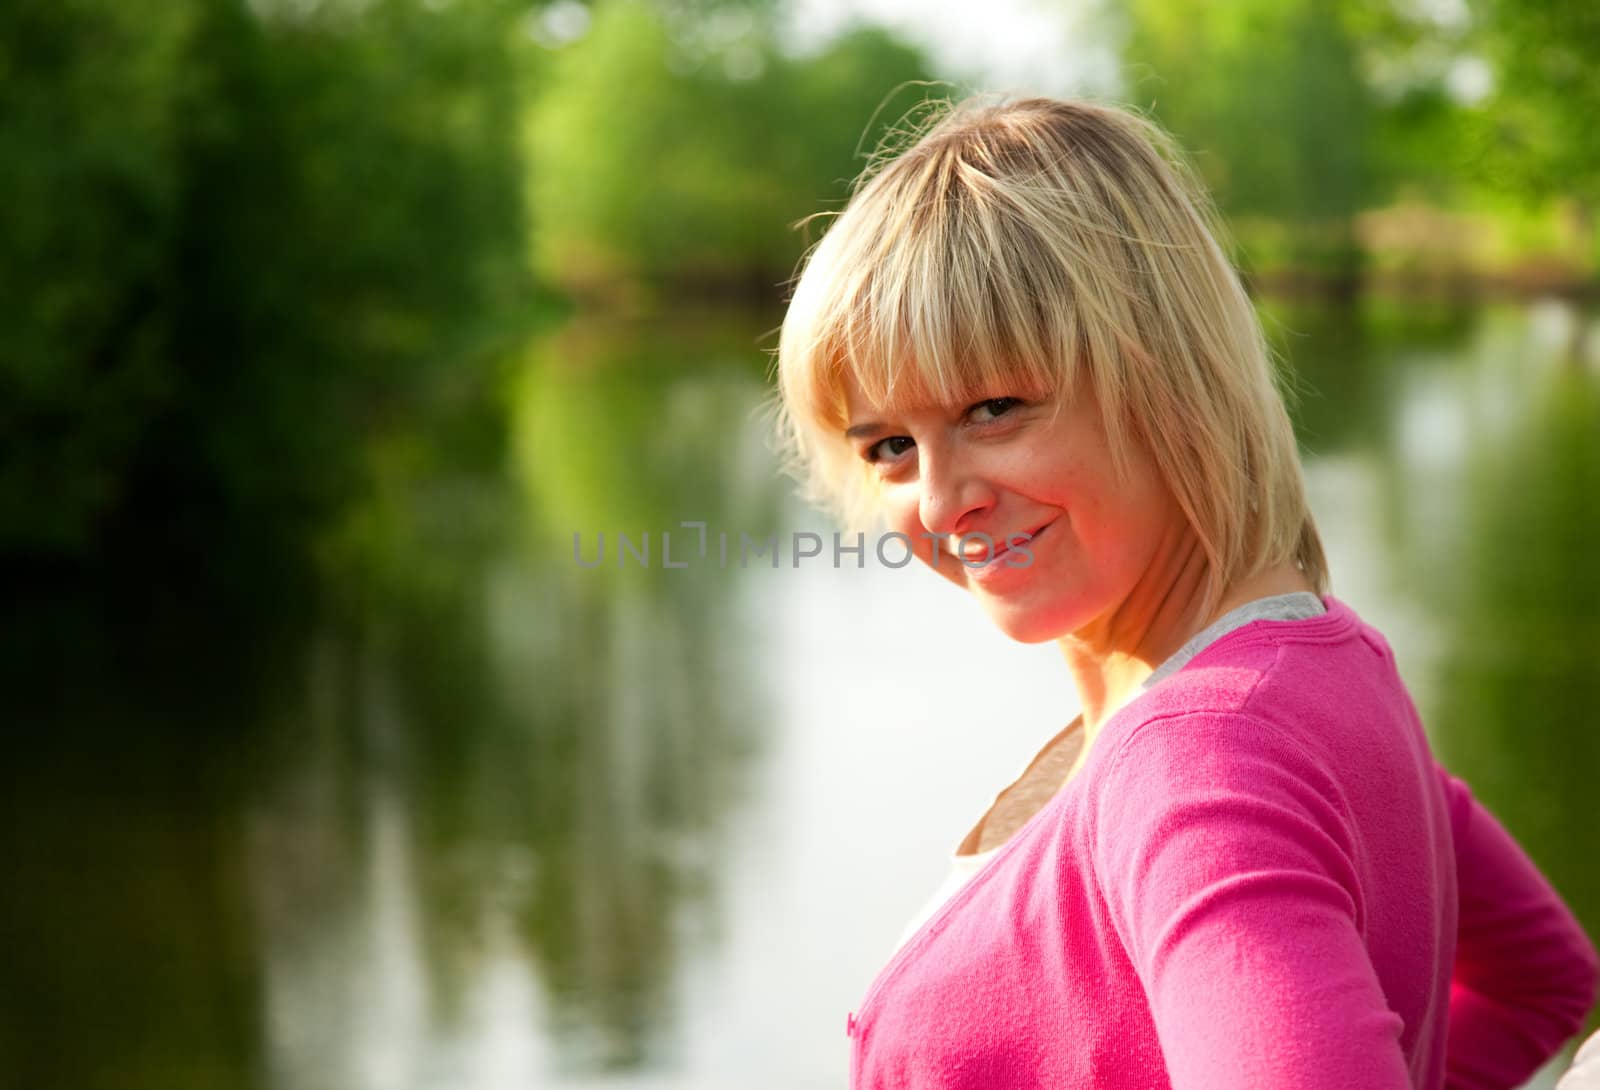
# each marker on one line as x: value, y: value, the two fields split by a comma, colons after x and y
x: 1005, y: 468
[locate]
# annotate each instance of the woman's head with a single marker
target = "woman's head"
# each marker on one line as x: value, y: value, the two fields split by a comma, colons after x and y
x: 1054, y: 251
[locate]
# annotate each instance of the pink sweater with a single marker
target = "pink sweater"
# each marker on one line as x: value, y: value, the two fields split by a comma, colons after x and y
x: 1260, y: 878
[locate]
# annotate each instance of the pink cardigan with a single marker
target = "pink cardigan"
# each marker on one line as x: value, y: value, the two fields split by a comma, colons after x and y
x: 1260, y: 878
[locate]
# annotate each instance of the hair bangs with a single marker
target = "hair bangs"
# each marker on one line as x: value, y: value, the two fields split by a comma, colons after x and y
x: 959, y: 308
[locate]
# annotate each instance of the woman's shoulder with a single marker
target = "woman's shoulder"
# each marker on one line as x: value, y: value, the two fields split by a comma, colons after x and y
x: 1315, y: 676
x: 1310, y: 715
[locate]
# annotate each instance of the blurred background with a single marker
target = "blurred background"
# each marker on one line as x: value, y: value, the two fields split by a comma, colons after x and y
x: 327, y: 324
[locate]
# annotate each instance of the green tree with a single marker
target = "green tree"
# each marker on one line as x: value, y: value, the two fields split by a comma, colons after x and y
x: 250, y: 237
x: 89, y: 125
x: 1536, y: 131
x: 1541, y: 116
x: 669, y: 158
x: 1269, y: 97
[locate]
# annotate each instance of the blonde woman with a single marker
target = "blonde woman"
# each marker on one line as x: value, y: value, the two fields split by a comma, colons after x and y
x: 1021, y: 349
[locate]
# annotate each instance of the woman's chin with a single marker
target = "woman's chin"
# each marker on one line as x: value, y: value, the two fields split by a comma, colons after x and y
x: 1024, y: 625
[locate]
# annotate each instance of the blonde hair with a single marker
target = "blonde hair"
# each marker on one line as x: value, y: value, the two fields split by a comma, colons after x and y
x: 1034, y: 243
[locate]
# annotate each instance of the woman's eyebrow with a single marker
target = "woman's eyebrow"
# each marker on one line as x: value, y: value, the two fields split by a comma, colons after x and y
x: 857, y: 431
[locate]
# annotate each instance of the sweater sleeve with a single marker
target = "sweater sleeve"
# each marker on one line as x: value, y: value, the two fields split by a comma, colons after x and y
x: 1226, y: 864
x: 1525, y: 973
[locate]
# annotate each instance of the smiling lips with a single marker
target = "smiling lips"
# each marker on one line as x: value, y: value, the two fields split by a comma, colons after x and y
x: 987, y: 553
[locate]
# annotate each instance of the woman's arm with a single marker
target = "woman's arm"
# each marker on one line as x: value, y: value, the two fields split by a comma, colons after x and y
x: 1230, y: 877
x: 1525, y: 973
x: 1229, y: 872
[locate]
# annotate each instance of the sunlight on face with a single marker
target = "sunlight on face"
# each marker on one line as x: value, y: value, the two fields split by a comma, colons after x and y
x: 1018, y: 471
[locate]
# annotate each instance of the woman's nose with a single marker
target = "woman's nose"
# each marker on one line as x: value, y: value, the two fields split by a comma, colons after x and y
x: 950, y: 493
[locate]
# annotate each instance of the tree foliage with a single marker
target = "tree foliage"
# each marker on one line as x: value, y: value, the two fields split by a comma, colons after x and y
x: 1540, y: 120
x: 657, y: 155
x: 1267, y: 93
x: 245, y: 237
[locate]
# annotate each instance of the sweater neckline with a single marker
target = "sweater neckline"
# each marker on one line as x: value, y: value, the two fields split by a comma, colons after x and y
x: 1326, y: 626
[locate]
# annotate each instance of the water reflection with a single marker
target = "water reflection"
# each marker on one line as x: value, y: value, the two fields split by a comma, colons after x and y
x: 131, y: 741
x: 644, y: 711
x: 1346, y: 361
x: 474, y: 816
x: 1521, y: 588
x: 549, y: 752
x: 455, y: 828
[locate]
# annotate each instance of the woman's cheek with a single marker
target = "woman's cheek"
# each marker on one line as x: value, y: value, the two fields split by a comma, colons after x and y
x: 902, y: 507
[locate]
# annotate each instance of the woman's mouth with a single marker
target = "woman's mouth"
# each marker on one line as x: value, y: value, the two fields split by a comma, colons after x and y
x: 990, y: 556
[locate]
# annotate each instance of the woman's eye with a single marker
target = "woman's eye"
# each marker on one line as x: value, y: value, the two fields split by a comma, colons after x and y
x: 995, y: 406
x: 892, y: 447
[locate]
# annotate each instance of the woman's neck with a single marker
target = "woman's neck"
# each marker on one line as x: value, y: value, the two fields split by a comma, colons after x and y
x: 1111, y: 659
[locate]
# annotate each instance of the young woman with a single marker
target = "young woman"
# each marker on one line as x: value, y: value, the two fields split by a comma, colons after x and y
x: 1021, y: 348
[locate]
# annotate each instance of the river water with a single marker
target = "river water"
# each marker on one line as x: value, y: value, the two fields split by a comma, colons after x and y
x: 484, y: 817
